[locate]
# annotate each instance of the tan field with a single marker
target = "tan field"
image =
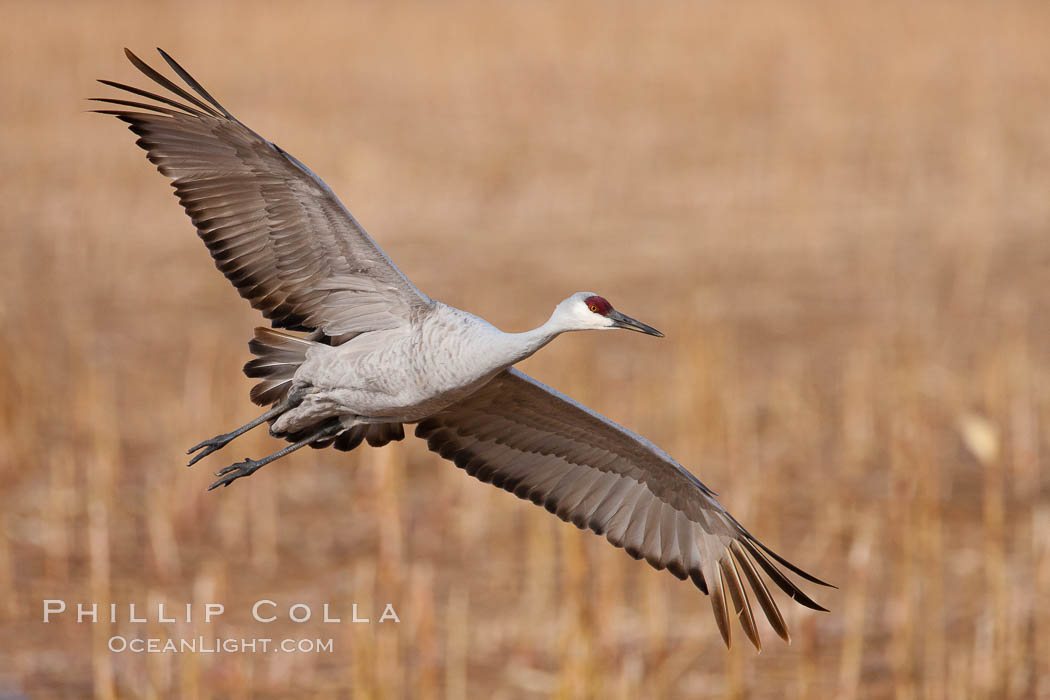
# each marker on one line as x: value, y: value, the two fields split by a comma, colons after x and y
x: 838, y: 212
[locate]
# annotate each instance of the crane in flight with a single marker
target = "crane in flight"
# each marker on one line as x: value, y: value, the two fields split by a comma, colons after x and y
x: 370, y: 353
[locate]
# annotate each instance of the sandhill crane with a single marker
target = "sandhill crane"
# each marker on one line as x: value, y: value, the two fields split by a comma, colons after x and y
x: 378, y: 354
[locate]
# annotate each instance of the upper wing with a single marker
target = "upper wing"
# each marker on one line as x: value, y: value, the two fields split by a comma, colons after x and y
x: 540, y: 445
x: 273, y: 227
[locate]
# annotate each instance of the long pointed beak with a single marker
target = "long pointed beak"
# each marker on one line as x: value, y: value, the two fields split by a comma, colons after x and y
x: 628, y: 323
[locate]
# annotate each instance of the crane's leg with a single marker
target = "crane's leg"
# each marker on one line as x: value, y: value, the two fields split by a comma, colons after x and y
x: 220, y: 441
x: 249, y: 466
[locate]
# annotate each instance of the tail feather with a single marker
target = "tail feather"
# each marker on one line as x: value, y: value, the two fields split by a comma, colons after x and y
x: 278, y: 356
x: 379, y: 434
x: 375, y: 434
x: 270, y: 391
x: 351, y: 438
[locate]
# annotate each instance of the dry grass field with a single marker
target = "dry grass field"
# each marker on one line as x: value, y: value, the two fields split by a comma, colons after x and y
x: 838, y: 212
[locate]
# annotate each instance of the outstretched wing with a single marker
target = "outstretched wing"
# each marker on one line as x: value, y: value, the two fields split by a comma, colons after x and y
x: 274, y: 228
x: 540, y: 445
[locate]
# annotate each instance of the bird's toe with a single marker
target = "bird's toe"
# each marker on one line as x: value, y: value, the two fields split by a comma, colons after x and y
x: 227, y: 475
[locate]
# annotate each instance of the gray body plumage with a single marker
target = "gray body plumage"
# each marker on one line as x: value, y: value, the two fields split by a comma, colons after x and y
x: 403, y: 374
x: 378, y: 354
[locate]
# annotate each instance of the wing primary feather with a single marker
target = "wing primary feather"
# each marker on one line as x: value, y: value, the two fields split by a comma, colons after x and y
x: 720, y: 606
x: 137, y: 105
x: 156, y: 77
x: 780, y: 579
x: 129, y: 103
x: 182, y: 73
x: 152, y: 96
x: 784, y: 562
x: 740, y: 600
x: 769, y: 606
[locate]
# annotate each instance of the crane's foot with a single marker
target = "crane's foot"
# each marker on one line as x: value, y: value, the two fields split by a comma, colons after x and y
x: 220, y: 441
x: 212, y: 445
x: 236, y: 471
x: 249, y: 466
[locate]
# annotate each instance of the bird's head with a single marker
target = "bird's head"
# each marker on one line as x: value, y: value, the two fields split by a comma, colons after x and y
x: 588, y: 311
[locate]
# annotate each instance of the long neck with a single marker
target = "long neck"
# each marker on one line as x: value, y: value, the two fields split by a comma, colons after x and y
x: 515, y: 347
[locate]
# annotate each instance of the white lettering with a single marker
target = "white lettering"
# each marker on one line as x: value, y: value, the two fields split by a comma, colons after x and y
x: 131, y: 614
x: 81, y: 612
x: 303, y: 606
x: 160, y: 614
x: 213, y: 609
x: 327, y: 618
x: 120, y: 641
x: 356, y: 618
x: 259, y: 604
x: 50, y: 608
x: 389, y: 614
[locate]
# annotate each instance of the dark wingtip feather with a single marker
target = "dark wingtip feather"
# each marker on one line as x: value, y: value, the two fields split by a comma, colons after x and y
x: 153, y: 96
x: 136, y: 105
x: 785, y: 584
x: 192, y: 82
x: 784, y: 562
x: 164, y: 82
x: 765, y: 600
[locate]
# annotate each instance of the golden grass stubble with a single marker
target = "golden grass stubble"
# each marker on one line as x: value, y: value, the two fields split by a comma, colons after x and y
x: 98, y: 435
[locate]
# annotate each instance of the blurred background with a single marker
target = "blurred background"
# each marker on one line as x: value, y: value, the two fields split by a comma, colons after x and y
x: 838, y: 213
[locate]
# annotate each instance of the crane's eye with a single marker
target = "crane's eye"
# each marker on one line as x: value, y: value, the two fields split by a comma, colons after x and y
x: 597, y: 305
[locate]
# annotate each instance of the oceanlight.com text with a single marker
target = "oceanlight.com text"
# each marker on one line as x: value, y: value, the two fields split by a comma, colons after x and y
x: 216, y: 645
